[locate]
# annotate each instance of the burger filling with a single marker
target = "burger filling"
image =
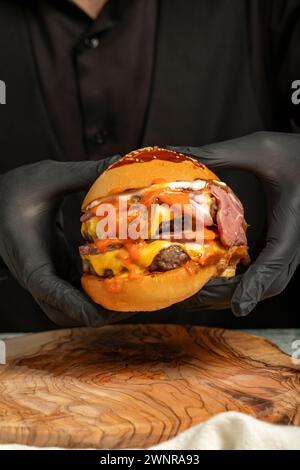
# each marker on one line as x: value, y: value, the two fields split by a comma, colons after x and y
x: 167, y: 241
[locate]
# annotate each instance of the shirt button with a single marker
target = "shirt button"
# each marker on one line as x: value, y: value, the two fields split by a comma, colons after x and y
x: 92, y: 42
x: 100, y: 136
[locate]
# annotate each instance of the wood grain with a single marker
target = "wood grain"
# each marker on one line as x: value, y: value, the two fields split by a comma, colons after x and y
x: 137, y: 385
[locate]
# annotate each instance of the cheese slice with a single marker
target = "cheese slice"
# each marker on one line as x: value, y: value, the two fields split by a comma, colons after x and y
x: 117, y: 260
x: 109, y: 260
x: 89, y: 228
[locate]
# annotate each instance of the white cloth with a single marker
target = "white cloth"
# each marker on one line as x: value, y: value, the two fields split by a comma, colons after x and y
x: 225, y: 431
x: 235, y: 431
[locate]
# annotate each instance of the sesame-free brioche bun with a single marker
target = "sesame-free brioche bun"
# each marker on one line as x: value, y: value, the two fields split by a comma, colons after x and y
x: 152, y: 291
x: 140, y: 168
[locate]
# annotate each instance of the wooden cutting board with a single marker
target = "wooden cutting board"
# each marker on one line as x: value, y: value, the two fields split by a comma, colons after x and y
x: 137, y: 385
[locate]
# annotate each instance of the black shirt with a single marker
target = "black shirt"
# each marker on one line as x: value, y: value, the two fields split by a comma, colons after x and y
x: 95, y: 74
x: 219, y: 70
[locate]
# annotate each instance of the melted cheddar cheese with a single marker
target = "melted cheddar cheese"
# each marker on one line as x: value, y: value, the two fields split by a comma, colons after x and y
x: 89, y: 228
x: 119, y: 260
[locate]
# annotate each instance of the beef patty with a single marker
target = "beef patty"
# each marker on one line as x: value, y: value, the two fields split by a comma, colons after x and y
x: 169, y: 258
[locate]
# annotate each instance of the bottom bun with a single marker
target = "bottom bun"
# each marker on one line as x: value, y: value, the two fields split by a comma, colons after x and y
x: 153, y: 291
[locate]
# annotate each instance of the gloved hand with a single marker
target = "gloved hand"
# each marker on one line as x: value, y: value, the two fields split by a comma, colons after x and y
x: 275, y: 159
x: 32, y: 244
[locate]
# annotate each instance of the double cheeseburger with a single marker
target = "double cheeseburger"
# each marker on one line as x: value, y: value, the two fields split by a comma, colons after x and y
x: 161, y: 267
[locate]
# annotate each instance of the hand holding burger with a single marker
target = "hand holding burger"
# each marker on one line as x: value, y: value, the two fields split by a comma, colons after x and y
x: 274, y: 158
x: 32, y: 244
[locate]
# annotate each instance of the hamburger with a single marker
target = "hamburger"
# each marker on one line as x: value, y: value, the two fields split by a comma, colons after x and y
x: 158, y: 226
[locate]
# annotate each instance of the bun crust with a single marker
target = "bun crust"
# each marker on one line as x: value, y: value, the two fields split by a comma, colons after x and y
x: 153, y: 291
x: 140, y: 168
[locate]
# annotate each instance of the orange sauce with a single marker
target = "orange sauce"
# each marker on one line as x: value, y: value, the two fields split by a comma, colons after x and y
x: 103, y: 245
x: 149, y: 197
x: 211, y: 257
x: 133, y: 248
x: 112, y: 201
x: 134, y: 272
x: 189, y: 269
x: 209, y: 234
x: 168, y: 197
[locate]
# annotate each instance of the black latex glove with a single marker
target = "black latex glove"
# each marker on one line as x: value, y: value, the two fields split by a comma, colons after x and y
x: 275, y: 159
x: 32, y: 243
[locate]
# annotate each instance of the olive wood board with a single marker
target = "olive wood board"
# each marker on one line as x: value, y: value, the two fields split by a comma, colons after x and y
x: 133, y: 386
